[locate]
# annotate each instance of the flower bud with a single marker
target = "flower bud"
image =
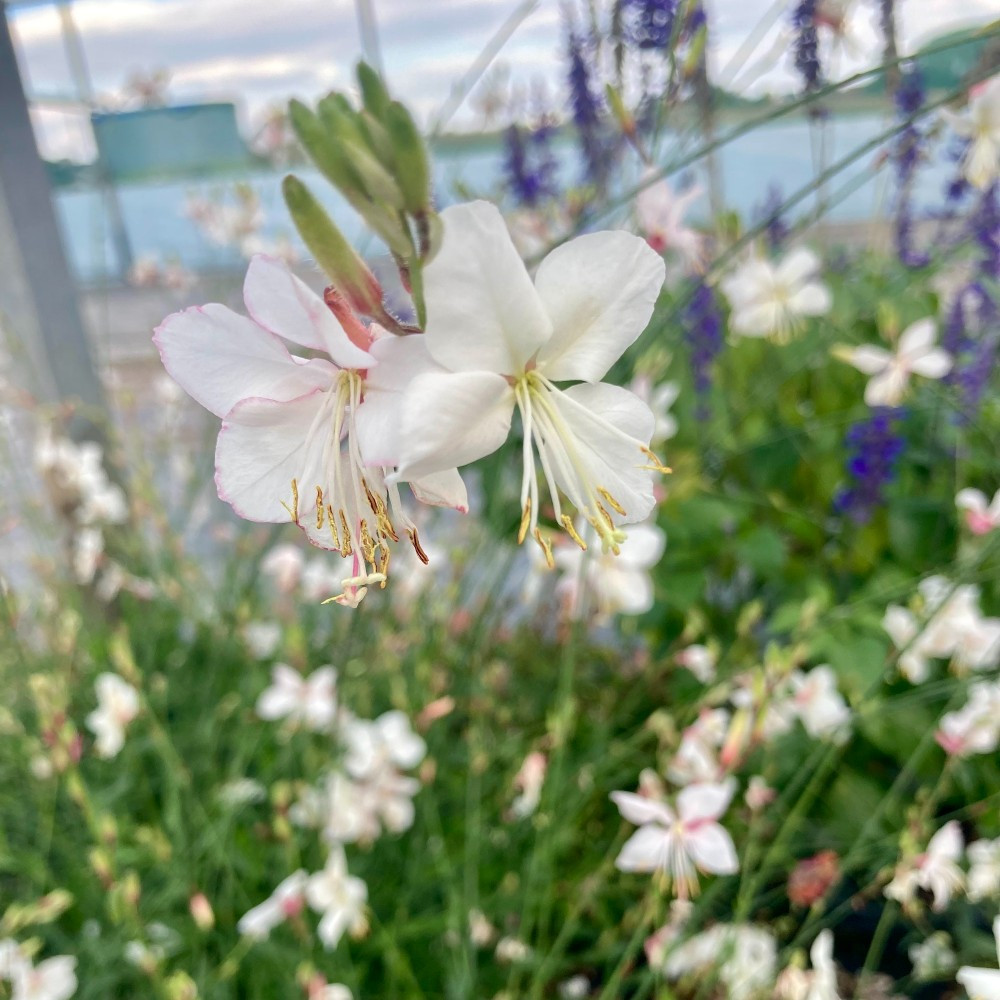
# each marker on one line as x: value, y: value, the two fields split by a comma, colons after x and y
x: 413, y: 171
x: 201, y: 911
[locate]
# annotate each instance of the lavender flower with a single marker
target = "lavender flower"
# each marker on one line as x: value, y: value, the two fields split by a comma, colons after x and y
x: 530, y: 164
x: 769, y: 215
x: 587, y: 110
x: 649, y: 24
x: 807, y: 44
x: 875, y: 447
x: 704, y: 337
x: 906, y: 154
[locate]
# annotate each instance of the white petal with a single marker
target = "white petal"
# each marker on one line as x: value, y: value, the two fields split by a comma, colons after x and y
x: 451, y: 420
x: 261, y: 449
x: 980, y: 984
x: 220, y: 357
x: 609, y: 460
x: 812, y: 299
x: 644, y: 851
x: 483, y: 313
x: 886, y: 389
x: 970, y: 499
x: 756, y: 319
x: 712, y: 849
x: 934, y: 364
x: 917, y: 338
x: 705, y: 801
x: 798, y: 266
x: 948, y: 842
x: 599, y: 291
x: 868, y: 359
x: 639, y: 809
x: 286, y: 305
x: 442, y: 489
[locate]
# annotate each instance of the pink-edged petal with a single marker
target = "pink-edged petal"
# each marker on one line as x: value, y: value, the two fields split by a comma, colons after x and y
x: 284, y: 304
x: 220, y: 357
x: 917, y: 338
x: 599, y: 291
x: 262, y: 447
x: 645, y: 851
x: 705, y: 801
x: 868, y: 359
x: 972, y: 500
x: 602, y: 419
x: 483, y: 313
x: 450, y: 420
x: 442, y: 489
x: 639, y: 809
x: 712, y: 849
x: 936, y: 363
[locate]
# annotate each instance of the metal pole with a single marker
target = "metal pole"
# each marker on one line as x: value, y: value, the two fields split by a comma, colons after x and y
x: 37, y: 293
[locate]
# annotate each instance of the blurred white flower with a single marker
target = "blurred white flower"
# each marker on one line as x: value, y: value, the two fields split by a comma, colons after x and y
x: 745, y: 958
x: 574, y: 988
x: 335, y: 991
x: 936, y: 870
x: 320, y: 579
x: 770, y: 300
x: 500, y: 342
x: 76, y: 472
x: 287, y: 901
x: 262, y: 638
x: 88, y: 548
x: 307, y: 701
x: 529, y: 780
x: 620, y: 583
x: 678, y: 844
x: 660, y: 216
x: 824, y: 969
x: 916, y: 353
x: 52, y: 979
x: 759, y: 794
x: 283, y: 564
x: 339, y: 896
x: 974, y: 728
x: 697, y: 758
x: 984, y: 870
x: 933, y: 958
x: 700, y: 660
x: 388, y: 740
x: 818, y: 704
x: 906, y: 634
x: 511, y: 951
x: 982, y: 984
x: 242, y: 791
x: 981, y: 516
x: 117, y: 706
x: 481, y: 931
x: 980, y: 124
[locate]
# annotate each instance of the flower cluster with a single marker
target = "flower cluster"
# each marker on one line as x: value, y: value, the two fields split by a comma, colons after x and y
x: 876, y: 446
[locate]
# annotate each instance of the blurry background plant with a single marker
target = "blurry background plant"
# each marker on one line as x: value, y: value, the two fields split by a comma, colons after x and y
x: 217, y: 787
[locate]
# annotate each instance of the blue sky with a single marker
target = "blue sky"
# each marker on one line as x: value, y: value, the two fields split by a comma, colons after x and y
x: 261, y: 52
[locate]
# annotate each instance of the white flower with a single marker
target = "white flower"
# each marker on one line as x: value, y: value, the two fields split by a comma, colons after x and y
x: 618, y: 580
x: 932, y: 958
x: 320, y: 579
x: 262, y: 638
x: 984, y: 870
x: 388, y: 740
x: 981, y: 516
x: 936, y: 870
x: 981, y: 126
x: 510, y: 950
x: 308, y: 701
x: 335, y: 991
x: 659, y: 398
x: 117, y: 706
x: 499, y: 343
x: 304, y: 440
x: 975, y: 728
x: 982, y: 984
x: 697, y: 758
x: 574, y: 988
x: 660, y: 215
x: 744, y: 956
x: 284, y: 565
x: 824, y: 969
x: 286, y: 901
x: 241, y: 791
x: 916, y: 354
x: 679, y: 843
x: 818, y: 703
x: 700, y: 660
x: 529, y: 779
x: 88, y: 548
x: 770, y: 300
x: 906, y: 634
x: 340, y: 897
x: 51, y: 979
x: 951, y: 612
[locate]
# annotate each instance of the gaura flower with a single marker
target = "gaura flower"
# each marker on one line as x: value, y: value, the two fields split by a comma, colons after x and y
x: 51, y: 979
x: 677, y: 844
x: 818, y: 704
x: 770, y: 300
x: 305, y: 440
x: 975, y: 728
x: 982, y: 984
x: 981, y: 516
x: 339, y: 896
x: 903, y: 628
x: 660, y: 215
x: 285, y: 902
x: 117, y: 706
x: 307, y: 701
x: 984, y: 870
x: 981, y: 126
x: 743, y: 957
x: 915, y: 354
x: 936, y: 870
x: 501, y: 342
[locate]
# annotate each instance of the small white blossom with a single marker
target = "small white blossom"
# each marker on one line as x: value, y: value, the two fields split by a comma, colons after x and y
x: 284, y: 564
x: 936, y: 870
x: 982, y: 984
x: 117, y: 706
x: 660, y: 215
x: 286, y: 901
x: 982, y: 516
x: 933, y: 958
x: 818, y: 704
x: 262, y: 638
x: 700, y: 660
x: 307, y: 701
x: 339, y: 896
x: 745, y: 958
x: 974, y: 728
x: 984, y: 870
x: 980, y: 124
x: 529, y: 780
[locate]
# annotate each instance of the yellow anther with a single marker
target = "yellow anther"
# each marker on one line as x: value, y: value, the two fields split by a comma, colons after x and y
x: 655, y: 464
x: 567, y: 523
x: 546, y: 548
x: 606, y: 516
x: 367, y: 542
x: 347, y: 550
x: 319, y: 507
x: 611, y: 500
x: 293, y: 511
x: 332, y: 522
x: 525, y: 521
